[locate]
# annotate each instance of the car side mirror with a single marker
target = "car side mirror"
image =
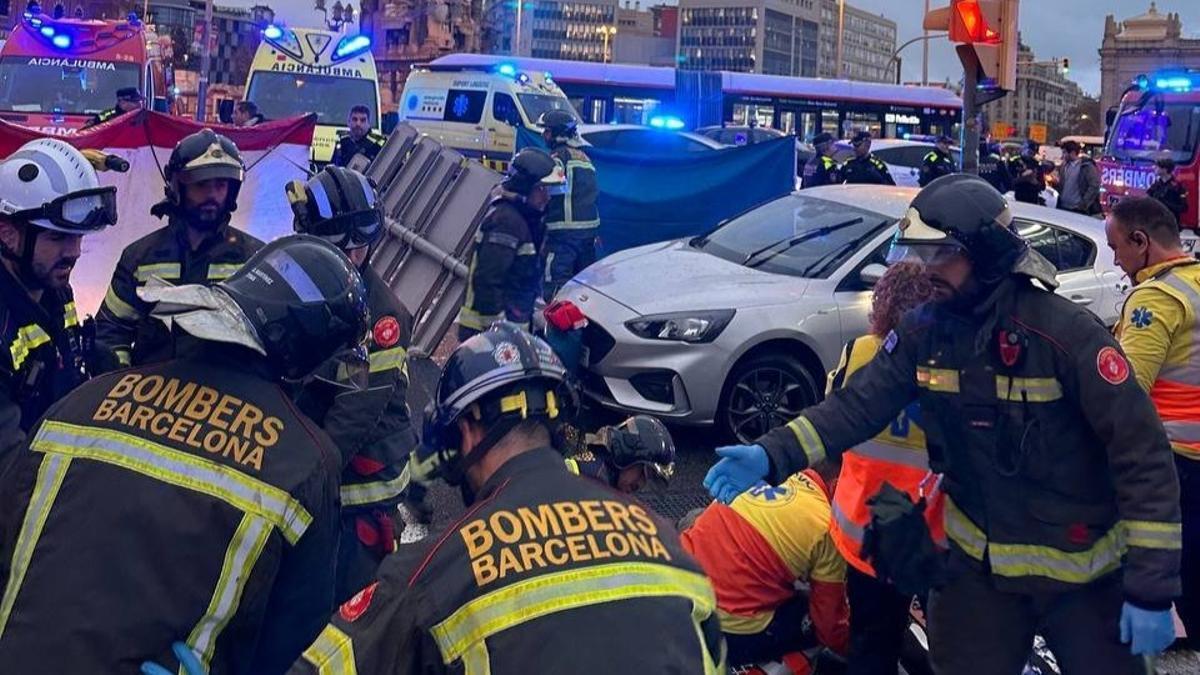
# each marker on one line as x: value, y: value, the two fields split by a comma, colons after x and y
x: 871, y: 274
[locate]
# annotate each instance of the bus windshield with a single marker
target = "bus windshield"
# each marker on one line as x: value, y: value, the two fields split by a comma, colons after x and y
x: 69, y: 86
x: 536, y: 105
x: 1156, y: 129
x: 280, y: 95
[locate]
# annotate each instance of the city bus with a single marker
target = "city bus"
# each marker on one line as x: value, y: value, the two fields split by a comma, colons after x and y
x: 629, y: 94
x: 300, y: 70
x: 55, y: 74
x: 1158, y: 116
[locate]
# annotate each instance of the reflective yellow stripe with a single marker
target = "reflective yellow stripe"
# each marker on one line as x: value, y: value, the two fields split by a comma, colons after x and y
x: 28, y: 338
x: 527, y: 249
x: 963, y: 532
x: 469, y: 318
x: 358, y: 494
x: 540, y: 596
x: 1079, y: 567
x: 176, y: 467
x: 167, y: 271
x: 49, y: 479
x: 118, y: 307
x: 123, y: 357
x: 332, y: 653
x: 1149, y: 534
x: 396, y: 357
x: 70, y: 316
x: 937, y: 379
x: 572, y: 466
x: 476, y: 661
x: 809, y: 440
x: 1028, y: 389
x: 217, y: 272
x: 244, y: 549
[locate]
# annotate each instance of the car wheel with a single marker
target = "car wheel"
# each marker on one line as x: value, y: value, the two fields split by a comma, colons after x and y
x: 765, y: 392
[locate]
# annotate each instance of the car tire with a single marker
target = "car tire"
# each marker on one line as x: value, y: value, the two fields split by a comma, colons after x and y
x: 751, y: 400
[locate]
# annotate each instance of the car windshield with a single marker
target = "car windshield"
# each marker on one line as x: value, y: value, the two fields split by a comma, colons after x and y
x: 536, y: 105
x: 783, y: 220
x: 280, y: 95
x: 1156, y: 129
x: 68, y: 86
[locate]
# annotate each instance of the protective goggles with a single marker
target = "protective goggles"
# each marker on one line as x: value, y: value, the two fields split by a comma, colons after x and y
x: 81, y: 212
x: 349, y: 231
x: 924, y: 253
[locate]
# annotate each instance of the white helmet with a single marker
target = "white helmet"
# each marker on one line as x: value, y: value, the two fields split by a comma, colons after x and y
x: 50, y: 184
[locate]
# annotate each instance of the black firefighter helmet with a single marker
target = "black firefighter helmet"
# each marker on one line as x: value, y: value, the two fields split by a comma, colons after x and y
x: 338, y: 205
x: 201, y: 156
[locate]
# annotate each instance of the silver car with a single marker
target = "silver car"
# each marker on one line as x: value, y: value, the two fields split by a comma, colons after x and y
x: 739, y: 327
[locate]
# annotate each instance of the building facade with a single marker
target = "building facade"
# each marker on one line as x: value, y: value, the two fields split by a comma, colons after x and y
x: 1142, y: 44
x: 575, y: 30
x: 774, y: 37
x: 1041, y: 106
x: 644, y: 37
x: 234, y: 39
x: 868, y: 42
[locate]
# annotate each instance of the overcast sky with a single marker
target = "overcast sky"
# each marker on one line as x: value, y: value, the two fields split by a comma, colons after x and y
x: 1053, y: 28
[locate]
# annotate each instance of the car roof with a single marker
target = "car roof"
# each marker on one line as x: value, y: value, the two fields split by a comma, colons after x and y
x: 885, y: 143
x: 585, y: 129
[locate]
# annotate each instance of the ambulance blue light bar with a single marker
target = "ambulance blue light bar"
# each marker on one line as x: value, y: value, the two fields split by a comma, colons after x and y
x: 507, y: 69
x: 666, y: 122
x: 351, y: 45
x: 61, y: 41
x: 1176, y: 83
x: 272, y: 32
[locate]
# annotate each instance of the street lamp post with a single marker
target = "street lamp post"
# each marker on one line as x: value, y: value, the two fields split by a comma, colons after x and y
x: 205, y: 63
x: 339, y: 17
x: 607, y: 32
x: 895, y: 58
x: 841, y: 31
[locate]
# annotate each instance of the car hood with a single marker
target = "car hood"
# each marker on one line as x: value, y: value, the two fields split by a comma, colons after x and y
x: 673, y: 276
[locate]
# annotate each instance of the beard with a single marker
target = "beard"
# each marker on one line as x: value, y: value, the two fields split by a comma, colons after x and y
x: 53, y: 277
x: 207, y: 216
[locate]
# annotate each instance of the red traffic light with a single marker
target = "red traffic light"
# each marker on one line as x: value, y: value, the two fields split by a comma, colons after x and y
x: 968, y: 24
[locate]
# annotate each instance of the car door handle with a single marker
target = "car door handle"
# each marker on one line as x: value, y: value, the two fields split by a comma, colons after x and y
x: 1082, y: 300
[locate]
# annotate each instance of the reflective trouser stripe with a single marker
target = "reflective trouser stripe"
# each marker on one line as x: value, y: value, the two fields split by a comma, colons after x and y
x: 244, y: 549
x: 561, y: 226
x: 332, y: 653
x: 359, y: 494
x: 1028, y: 389
x: 810, y: 442
x: 547, y: 594
x: 1151, y: 534
x: 396, y: 357
x: 49, y: 479
x: 895, y: 454
x: 937, y: 379
x: 165, y: 271
x: 469, y: 318
x: 118, y: 307
x: 1180, y: 431
x: 963, y: 532
x: 28, y: 338
x: 178, y: 468
x: 70, y: 315
x: 546, y: 276
x: 222, y: 271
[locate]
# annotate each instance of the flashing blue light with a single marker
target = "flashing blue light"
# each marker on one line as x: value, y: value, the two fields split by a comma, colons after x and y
x: 62, y: 41
x: 1142, y: 82
x: 34, y: 21
x: 175, y: 90
x: 907, y: 136
x: 48, y: 31
x: 272, y: 32
x: 507, y: 69
x: 1179, y: 84
x: 350, y: 46
x: 523, y: 78
x: 548, y: 77
x: 666, y: 122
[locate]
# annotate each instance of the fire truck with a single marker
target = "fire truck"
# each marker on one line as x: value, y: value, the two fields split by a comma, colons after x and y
x: 55, y: 74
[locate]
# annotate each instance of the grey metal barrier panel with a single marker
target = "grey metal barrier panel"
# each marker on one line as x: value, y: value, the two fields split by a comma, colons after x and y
x: 383, y: 169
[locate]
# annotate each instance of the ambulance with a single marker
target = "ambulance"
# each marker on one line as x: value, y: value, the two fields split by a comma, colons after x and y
x: 477, y: 109
x: 299, y: 70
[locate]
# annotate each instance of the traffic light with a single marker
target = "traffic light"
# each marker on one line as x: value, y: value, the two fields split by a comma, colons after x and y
x: 969, y: 24
x: 989, y: 27
x: 1066, y: 66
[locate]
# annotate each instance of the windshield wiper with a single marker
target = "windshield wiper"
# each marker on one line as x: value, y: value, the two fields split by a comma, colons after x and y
x: 791, y: 242
x: 829, y: 258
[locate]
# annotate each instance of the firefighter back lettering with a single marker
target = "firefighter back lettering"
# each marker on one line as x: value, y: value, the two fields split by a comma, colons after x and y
x: 191, y: 414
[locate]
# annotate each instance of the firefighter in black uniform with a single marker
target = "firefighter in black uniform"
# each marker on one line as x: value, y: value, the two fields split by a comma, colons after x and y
x: 1061, y: 497
x: 993, y: 168
x: 187, y: 500
x: 360, y: 140
x: 505, y: 274
x: 371, y: 427
x: 541, y: 558
x: 626, y: 456
x: 197, y: 246
x: 821, y: 169
x: 572, y: 220
x: 865, y: 167
x: 938, y: 162
x: 129, y: 99
x: 49, y: 198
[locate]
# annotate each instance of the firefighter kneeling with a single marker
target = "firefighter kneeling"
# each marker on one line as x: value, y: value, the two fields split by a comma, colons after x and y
x: 546, y: 572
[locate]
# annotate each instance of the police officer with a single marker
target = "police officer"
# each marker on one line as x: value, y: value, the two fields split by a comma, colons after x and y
x: 129, y: 99
x: 371, y: 427
x: 49, y: 198
x: 865, y: 167
x: 821, y: 169
x: 187, y: 500
x: 505, y: 273
x: 546, y: 571
x: 1062, y: 505
x: 1029, y: 178
x: 361, y: 139
x: 993, y: 168
x: 937, y: 162
x: 572, y: 219
x: 628, y: 455
x: 197, y: 246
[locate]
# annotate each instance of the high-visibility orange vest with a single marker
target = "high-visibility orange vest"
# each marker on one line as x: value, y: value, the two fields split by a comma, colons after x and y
x: 897, y: 456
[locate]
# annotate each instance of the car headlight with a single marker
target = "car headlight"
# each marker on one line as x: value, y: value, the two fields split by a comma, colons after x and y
x: 699, y: 326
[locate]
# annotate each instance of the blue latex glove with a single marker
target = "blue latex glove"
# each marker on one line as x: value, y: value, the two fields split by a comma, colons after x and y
x: 741, y: 466
x: 187, y: 659
x: 1150, y: 631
